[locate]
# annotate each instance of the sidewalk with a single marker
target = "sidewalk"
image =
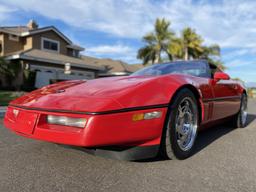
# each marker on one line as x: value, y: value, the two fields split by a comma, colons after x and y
x: 2, y: 111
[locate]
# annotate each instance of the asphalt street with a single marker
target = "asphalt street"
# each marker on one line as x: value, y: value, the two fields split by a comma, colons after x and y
x: 225, y: 160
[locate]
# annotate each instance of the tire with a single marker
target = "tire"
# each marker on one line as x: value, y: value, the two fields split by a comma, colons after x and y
x: 180, y: 131
x: 240, y: 119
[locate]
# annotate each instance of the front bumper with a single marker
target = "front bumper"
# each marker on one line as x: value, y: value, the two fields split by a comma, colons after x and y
x: 115, y: 129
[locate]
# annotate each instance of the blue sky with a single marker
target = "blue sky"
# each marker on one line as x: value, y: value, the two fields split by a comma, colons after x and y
x: 113, y: 28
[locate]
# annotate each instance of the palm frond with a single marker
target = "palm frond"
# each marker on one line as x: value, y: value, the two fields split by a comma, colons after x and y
x: 147, y: 54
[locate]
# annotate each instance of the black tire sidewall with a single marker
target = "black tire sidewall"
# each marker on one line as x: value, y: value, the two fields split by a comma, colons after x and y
x: 239, y: 121
x: 171, y: 121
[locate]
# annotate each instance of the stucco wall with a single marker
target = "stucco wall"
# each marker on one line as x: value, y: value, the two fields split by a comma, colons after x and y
x: 28, y: 43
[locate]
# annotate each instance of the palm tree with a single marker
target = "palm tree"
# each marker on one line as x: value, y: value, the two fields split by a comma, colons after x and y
x: 188, y: 46
x: 192, y: 43
x: 157, y: 42
x: 175, y: 49
x: 208, y: 51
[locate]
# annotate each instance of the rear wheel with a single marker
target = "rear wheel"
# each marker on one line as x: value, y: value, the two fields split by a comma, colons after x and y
x: 180, y: 131
x: 240, y: 119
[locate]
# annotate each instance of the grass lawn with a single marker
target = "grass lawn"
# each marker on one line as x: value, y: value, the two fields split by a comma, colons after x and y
x: 7, y: 96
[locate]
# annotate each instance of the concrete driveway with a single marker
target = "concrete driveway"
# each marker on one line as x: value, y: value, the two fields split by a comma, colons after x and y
x: 225, y: 160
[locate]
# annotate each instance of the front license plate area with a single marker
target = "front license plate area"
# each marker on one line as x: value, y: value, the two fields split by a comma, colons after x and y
x: 25, y: 122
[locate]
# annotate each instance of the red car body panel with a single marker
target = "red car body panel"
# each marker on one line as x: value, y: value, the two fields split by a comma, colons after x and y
x: 111, y: 93
x: 108, y: 105
x: 101, y: 130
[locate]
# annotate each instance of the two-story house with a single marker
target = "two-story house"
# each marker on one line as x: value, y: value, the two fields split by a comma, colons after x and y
x: 46, y: 51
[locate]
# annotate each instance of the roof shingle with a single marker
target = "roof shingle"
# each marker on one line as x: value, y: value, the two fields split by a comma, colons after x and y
x: 50, y: 57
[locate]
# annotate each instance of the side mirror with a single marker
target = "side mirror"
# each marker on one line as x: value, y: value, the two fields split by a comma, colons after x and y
x: 221, y: 76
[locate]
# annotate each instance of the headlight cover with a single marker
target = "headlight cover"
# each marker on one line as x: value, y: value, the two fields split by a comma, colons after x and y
x: 153, y: 115
x: 66, y: 121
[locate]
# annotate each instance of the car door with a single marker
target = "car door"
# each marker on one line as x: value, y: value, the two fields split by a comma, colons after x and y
x: 226, y: 101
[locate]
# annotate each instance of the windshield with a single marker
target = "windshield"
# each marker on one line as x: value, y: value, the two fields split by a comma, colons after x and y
x: 195, y: 68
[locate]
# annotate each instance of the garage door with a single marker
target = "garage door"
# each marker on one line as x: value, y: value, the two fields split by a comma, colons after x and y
x: 44, y: 75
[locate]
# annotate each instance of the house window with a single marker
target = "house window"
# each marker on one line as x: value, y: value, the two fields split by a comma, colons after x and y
x: 13, y: 37
x: 75, y: 53
x: 50, y: 45
x: 1, y: 47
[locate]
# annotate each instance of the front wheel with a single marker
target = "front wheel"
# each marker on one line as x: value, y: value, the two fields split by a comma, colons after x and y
x: 240, y: 119
x: 180, y: 131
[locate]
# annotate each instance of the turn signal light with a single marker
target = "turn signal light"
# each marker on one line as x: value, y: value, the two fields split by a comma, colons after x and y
x: 138, y: 117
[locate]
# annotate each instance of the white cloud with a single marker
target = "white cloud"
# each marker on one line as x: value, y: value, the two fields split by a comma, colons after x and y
x: 241, y: 53
x: 231, y: 23
x: 5, y: 12
x: 110, y: 49
x: 241, y: 63
x: 115, y: 51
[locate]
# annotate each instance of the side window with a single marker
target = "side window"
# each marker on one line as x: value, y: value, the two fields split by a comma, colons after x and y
x: 204, y: 70
x: 206, y: 73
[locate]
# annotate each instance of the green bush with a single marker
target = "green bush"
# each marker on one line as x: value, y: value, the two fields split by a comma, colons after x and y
x: 7, y: 96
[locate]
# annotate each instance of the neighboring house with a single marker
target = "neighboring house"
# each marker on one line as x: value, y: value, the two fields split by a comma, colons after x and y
x: 46, y: 51
x: 251, y: 88
x: 252, y: 92
x: 112, y: 67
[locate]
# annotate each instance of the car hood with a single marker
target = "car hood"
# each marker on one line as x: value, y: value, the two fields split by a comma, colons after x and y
x: 90, y: 96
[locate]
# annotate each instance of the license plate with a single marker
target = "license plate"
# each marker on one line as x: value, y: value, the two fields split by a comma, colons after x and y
x: 25, y: 122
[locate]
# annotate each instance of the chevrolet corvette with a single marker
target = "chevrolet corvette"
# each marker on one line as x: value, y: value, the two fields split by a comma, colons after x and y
x: 156, y: 110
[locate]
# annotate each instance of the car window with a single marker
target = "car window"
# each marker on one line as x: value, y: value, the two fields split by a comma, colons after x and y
x: 195, y: 68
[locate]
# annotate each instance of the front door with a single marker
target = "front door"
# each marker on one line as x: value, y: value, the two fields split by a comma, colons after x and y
x: 226, y: 100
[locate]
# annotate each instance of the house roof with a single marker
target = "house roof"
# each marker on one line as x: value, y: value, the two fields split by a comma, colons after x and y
x: 15, y: 30
x: 105, y: 66
x: 134, y: 67
x: 24, y: 31
x: 76, y: 47
x: 112, y: 67
x: 50, y: 57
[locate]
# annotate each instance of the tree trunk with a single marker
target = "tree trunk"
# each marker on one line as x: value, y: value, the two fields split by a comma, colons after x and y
x: 158, y: 58
x: 186, y: 54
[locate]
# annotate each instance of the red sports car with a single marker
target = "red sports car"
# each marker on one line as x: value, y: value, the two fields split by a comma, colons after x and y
x: 158, y: 109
